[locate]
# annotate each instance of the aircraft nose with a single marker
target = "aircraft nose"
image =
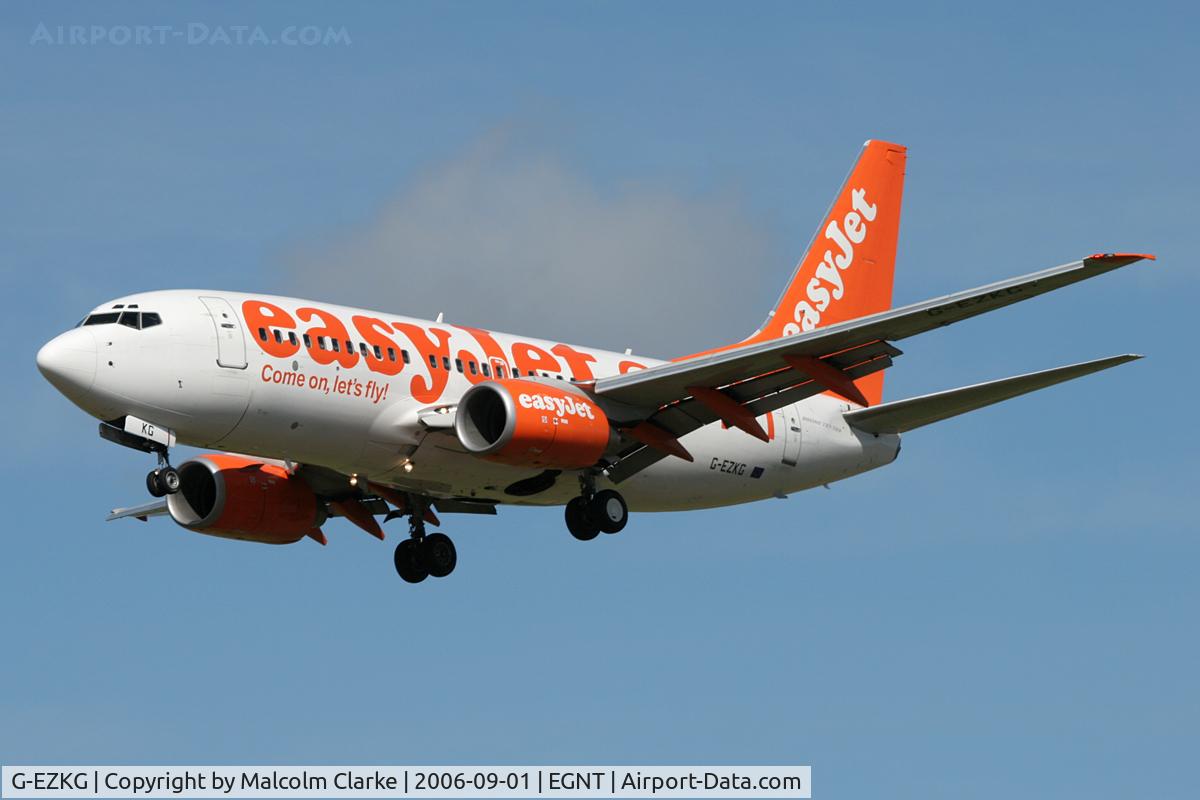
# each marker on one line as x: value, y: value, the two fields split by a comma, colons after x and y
x: 68, y: 361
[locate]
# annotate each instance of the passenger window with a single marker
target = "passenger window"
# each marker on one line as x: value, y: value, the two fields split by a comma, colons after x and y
x: 336, y: 346
x: 278, y: 336
x: 474, y: 369
x: 404, y: 355
x: 379, y: 354
x: 433, y: 361
x: 291, y: 334
x: 446, y: 363
x: 362, y: 348
x: 129, y: 319
x: 321, y: 343
x: 349, y: 346
x: 307, y: 341
x: 458, y: 364
x: 391, y: 354
x: 487, y: 371
x: 262, y: 334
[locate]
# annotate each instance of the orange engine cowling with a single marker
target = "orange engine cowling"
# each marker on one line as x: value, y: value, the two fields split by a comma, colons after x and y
x: 528, y: 424
x: 239, y: 498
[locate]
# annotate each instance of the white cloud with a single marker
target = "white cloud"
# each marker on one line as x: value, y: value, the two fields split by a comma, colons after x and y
x: 523, y: 244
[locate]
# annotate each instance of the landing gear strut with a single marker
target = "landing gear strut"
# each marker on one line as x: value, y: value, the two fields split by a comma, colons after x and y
x: 422, y: 555
x: 163, y: 479
x: 593, y: 512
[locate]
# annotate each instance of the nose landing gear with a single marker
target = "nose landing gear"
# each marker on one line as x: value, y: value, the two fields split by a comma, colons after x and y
x: 138, y: 434
x: 163, y: 479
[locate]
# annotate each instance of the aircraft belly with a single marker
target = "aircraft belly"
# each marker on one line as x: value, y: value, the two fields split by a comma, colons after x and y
x: 732, y: 467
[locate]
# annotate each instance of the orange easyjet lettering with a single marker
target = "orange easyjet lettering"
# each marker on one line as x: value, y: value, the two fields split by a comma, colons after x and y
x: 428, y: 390
x: 374, y: 332
x: 530, y: 358
x: 331, y: 334
x: 577, y: 362
x: 491, y: 350
x: 261, y: 315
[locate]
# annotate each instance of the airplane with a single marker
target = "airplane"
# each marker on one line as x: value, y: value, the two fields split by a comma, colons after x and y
x: 316, y: 410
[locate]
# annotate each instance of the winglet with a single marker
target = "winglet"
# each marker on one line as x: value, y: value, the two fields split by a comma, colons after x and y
x: 1128, y: 257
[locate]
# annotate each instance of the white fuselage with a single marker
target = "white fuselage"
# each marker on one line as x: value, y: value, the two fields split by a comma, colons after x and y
x: 259, y: 375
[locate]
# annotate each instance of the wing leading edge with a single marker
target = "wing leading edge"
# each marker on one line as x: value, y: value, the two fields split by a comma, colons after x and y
x: 666, y: 383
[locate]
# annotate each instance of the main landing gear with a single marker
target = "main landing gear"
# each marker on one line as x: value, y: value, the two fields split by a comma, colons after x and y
x: 163, y: 479
x: 593, y: 512
x: 422, y: 555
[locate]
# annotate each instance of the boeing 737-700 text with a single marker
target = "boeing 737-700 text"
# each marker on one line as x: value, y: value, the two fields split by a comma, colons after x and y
x: 320, y: 411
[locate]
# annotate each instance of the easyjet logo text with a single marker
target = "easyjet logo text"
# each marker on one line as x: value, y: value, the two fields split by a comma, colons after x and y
x: 562, y: 407
x: 826, y: 286
x: 386, y: 346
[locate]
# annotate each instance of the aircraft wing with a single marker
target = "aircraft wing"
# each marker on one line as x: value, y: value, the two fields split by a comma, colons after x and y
x: 764, y: 376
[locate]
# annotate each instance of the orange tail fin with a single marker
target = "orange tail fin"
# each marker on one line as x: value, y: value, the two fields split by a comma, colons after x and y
x: 848, y: 268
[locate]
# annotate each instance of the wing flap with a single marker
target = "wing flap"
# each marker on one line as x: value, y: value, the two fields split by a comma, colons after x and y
x: 688, y: 415
x: 905, y: 415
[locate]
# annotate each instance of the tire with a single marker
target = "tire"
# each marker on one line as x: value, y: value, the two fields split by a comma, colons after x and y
x: 439, y: 555
x: 578, y: 522
x: 409, y: 563
x: 154, y: 485
x: 608, y: 511
x: 168, y: 479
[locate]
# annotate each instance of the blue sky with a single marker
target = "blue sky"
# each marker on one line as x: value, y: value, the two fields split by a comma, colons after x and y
x: 1009, y: 609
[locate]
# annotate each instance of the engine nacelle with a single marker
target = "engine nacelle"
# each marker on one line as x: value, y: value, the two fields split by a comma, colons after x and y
x: 528, y: 424
x: 239, y: 498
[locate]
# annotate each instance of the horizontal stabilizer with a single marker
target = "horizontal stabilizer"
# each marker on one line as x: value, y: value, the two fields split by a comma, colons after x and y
x: 142, y: 512
x: 904, y: 415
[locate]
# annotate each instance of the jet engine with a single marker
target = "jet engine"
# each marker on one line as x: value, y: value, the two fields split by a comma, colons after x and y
x: 528, y: 424
x: 239, y: 498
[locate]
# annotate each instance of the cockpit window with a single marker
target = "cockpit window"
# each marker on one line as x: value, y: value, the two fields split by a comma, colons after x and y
x: 101, y: 319
x: 130, y: 319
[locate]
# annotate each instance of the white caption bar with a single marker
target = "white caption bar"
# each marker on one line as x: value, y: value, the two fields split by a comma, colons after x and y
x: 304, y: 782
